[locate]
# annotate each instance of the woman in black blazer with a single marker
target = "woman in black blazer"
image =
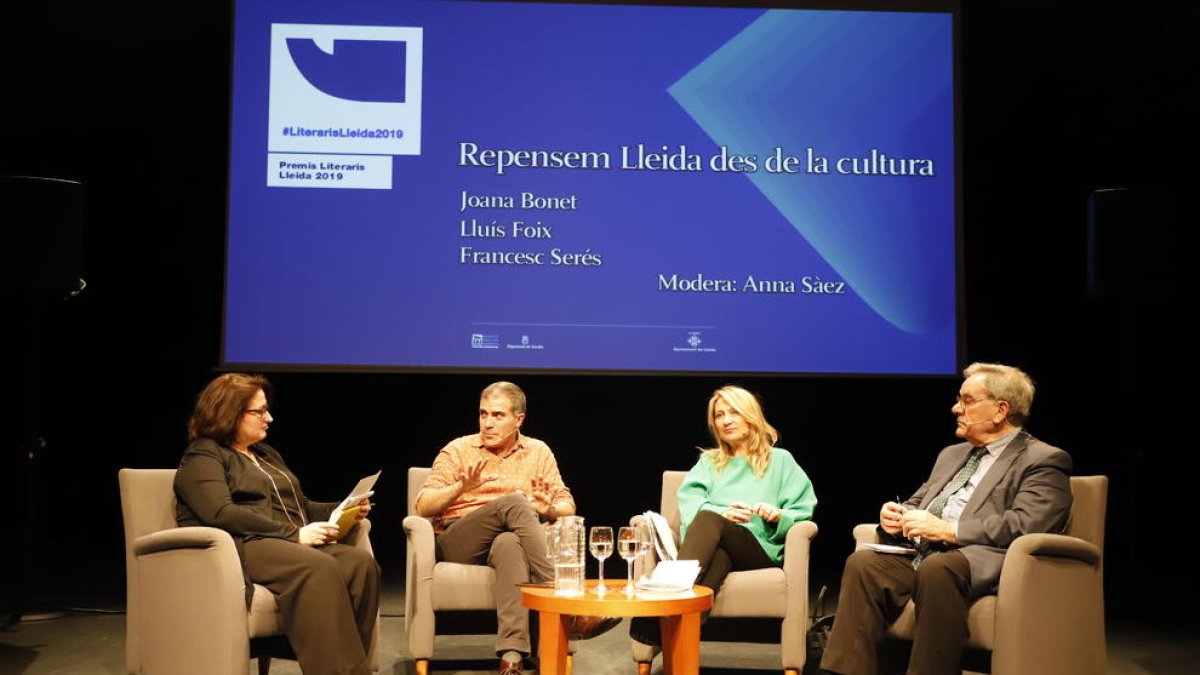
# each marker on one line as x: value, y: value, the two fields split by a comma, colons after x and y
x: 328, y: 593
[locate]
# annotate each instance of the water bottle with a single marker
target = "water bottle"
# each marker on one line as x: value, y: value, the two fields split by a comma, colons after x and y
x: 566, y: 541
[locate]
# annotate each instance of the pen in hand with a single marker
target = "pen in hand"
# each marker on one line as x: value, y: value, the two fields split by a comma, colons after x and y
x: 904, y: 509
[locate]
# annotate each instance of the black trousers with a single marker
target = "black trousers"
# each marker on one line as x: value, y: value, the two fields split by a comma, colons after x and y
x: 328, y: 598
x: 875, y: 589
x: 722, y: 546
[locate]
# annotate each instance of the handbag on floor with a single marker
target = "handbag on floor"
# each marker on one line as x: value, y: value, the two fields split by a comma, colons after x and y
x: 819, y: 626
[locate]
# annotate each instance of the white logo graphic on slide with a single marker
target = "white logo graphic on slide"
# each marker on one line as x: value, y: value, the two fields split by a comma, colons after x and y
x: 485, y: 341
x: 524, y: 343
x: 695, y: 344
x: 345, y: 89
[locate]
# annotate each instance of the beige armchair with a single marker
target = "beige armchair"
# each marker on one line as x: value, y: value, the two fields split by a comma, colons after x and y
x: 1047, y: 617
x: 430, y: 586
x: 433, y: 588
x: 780, y: 593
x: 186, y: 604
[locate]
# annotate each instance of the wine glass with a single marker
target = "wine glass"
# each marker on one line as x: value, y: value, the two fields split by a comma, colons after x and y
x: 600, y: 541
x: 629, y: 547
x: 645, y: 541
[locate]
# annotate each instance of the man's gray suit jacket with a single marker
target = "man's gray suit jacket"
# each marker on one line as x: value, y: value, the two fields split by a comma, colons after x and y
x: 1027, y: 489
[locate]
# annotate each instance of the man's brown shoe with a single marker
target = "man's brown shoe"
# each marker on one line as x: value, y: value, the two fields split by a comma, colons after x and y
x: 588, y: 627
x: 510, y: 667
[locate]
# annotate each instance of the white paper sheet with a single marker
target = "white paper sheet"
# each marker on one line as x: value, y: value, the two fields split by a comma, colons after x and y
x: 672, y: 576
x: 889, y: 548
x: 360, y: 492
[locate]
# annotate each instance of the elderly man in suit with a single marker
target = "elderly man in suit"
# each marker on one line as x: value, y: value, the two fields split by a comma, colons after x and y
x: 982, y: 494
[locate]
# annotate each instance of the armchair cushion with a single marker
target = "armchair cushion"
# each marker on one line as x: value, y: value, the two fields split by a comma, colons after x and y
x: 754, y: 593
x: 264, y: 614
x: 463, y: 587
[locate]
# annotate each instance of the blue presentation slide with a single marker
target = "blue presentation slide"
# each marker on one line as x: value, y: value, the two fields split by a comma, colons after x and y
x: 494, y: 185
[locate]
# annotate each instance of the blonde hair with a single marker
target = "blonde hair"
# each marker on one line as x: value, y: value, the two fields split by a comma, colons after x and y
x: 1008, y: 384
x: 763, y: 436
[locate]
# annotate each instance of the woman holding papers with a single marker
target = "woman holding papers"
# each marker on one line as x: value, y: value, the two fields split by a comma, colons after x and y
x: 739, y: 500
x: 328, y: 593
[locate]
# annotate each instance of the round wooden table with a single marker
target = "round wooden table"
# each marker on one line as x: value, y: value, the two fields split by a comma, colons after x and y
x: 679, y: 616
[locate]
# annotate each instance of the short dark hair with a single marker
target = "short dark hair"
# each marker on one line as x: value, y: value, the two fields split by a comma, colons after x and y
x: 220, y: 405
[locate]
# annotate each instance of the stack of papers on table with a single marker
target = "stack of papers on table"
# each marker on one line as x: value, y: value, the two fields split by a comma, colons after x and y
x: 671, y: 576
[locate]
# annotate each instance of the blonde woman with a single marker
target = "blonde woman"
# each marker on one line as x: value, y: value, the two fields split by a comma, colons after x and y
x: 738, y: 502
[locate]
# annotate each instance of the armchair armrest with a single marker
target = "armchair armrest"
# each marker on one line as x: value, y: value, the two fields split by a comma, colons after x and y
x: 189, y: 600
x: 359, y: 536
x: 419, y: 532
x: 182, y: 538
x: 418, y: 581
x: 644, y: 565
x: 796, y: 550
x: 796, y: 546
x: 204, y: 557
x: 795, y: 559
x: 866, y: 533
x: 1050, y: 606
x: 1057, y: 545
x: 1035, y: 562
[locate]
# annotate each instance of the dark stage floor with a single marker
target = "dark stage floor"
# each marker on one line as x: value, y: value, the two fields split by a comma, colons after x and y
x: 93, y: 643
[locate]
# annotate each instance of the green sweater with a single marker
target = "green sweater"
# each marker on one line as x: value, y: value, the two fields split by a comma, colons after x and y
x: 784, y: 486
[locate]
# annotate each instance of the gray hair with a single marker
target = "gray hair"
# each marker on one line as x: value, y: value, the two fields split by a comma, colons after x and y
x: 1008, y: 384
x: 508, y: 390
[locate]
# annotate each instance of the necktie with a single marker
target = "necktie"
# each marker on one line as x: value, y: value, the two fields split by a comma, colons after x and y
x: 924, y: 549
x: 960, y: 479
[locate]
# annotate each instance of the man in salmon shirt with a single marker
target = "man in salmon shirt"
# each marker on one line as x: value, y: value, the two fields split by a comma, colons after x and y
x: 487, y: 496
